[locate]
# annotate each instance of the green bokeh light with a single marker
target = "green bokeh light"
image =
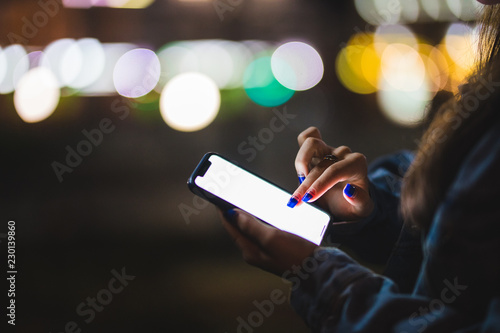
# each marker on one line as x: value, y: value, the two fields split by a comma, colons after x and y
x: 261, y: 85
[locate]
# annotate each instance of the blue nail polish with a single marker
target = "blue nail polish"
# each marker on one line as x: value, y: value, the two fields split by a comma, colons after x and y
x: 292, y: 202
x: 308, y: 196
x: 350, y: 190
x: 302, y: 177
x: 230, y: 214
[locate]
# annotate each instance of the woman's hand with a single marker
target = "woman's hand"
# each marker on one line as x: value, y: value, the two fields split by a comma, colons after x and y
x: 341, y: 187
x: 266, y: 247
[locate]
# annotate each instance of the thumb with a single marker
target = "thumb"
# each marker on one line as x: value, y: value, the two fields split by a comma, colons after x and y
x: 362, y: 204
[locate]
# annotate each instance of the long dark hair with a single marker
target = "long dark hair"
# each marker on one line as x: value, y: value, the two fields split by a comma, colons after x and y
x: 456, y: 127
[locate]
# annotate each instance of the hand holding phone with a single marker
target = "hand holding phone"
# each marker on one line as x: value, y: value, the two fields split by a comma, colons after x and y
x: 227, y: 185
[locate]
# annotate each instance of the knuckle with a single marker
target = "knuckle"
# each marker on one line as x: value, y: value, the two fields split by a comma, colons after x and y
x: 358, y: 157
x: 344, y: 150
x: 311, y: 131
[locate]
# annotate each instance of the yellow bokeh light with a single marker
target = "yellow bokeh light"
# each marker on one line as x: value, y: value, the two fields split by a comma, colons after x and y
x: 436, y: 67
x: 348, y: 66
x: 370, y: 65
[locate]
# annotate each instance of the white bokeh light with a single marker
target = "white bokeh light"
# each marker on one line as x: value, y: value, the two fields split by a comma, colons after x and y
x: 297, y: 66
x: 404, y: 107
x: 64, y: 58
x: 461, y: 44
x: 176, y: 59
x: 215, y: 61
x: 37, y: 95
x: 410, y: 10
x: 93, y: 61
x: 190, y: 102
x: 137, y: 73
x: 3, y: 65
x: 104, y: 84
x: 466, y: 10
x: 437, y: 10
x: 402, y: 68
x: 17, y: 64
x: 392, y: 34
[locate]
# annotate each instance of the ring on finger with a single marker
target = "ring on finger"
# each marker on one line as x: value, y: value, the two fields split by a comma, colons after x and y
x: 331, y: 157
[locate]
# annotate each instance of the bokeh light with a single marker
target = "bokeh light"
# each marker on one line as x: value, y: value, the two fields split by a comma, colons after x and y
x: 175, y: 58
x: 404, y: 107
x: 37, y: 95
x: 190, y: 102
x: 65, y: 59
x: 130, y: 4
x: 466, y: 10
x: 241, y: 57
x: 261, y: 85
x: 436, y: 67
x: 214, y: 61
x: 437, y: 10
x: 402, y: 68
x: 390, y: 34
x: 3, y: 65
x: 376, y: 12
x: 410, y: 11
x: 297, y: 66
x: 136, y: 73
x: 357, y: 65
x: 17, y: 64
x: 104, y: 84
x: 93, y: 61
x: 461, y: 45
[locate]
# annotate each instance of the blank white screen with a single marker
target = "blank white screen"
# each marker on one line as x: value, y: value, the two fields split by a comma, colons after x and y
x: 262, y: 199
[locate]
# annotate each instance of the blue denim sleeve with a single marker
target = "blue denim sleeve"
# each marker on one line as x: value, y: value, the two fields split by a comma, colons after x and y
x: 457, y: 289
x: 373, y: 238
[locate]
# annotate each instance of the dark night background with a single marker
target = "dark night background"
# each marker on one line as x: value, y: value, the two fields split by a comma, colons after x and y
x: 120, y: 207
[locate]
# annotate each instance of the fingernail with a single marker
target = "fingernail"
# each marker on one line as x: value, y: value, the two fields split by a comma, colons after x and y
x: 350, y: 190
x: 308, y: 196
x: 293, y: 201
x: 302, y: 177
x: 230, y: 214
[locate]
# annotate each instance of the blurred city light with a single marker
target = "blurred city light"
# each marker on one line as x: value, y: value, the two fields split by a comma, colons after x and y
x: 37, y: 95
x: 214, y: 61
x: 93, y: 62
x: 261, y: 85
x: 385, y: 12
x: 190, y: 102
x: 465, y: 10
x: 461, y: 42
x: 402, y: 68
x: 65, y: 59
x: 3, y: 65
x: 358, y: 65
x: 104, y: 84
x: 175, y: 58
x: 136, y: 73
x: 297, y: 66
x: 16, y: 65
x: 129, y: 4
x: 404, y: 107
x: 395, y: 33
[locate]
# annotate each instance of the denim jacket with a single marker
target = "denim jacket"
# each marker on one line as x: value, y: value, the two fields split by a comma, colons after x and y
x: 446, y: 280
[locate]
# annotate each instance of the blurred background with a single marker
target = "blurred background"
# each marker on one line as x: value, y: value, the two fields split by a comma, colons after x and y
x: 108, y: 105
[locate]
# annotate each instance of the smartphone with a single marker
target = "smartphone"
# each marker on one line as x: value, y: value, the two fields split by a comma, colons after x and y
x: 228, y: 185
